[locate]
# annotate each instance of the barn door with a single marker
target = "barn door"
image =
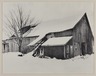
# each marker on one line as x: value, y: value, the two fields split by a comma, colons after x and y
x: 64, y: 52
x: 83, y: 48
x: 7, y: 47
x: 68, y: 52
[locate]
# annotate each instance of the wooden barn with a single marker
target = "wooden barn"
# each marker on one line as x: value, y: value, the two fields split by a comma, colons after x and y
x: 74, y: 39
x: 81, y: 42
x: 10, y: 45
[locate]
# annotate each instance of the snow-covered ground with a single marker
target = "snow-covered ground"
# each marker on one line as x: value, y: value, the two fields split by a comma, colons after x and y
x: 12, y: 63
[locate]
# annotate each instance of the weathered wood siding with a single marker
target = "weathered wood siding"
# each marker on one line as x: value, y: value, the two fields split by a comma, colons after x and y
x: 54, y: 51
x: 25, y: 42
x: 5, y: 48
x: 68, y: 49
x: 13, y: 46
x: 82, y: 37
x: 63, y: 33
x: 57, y: 51
x: 80, y: 44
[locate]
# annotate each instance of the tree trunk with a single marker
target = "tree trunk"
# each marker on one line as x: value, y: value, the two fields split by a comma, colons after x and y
x: 19, y: 48
x: 20, y: 45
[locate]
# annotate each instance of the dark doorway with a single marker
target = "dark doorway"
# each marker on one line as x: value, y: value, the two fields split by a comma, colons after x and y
x: 83, y: 49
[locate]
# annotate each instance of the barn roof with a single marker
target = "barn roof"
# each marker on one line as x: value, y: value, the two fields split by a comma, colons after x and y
x: 25, y: 30
x: 35, y: 41
x: 52, y: 41
x: 57, y: 41
x: 56, y: 25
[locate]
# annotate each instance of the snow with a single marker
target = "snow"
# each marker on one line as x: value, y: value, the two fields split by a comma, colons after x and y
x: 12, y: 63
x: 52, y: 41
x: 57, y: 41
x: 35, y: 41
x: 57, y: 24
x: 54, y: 25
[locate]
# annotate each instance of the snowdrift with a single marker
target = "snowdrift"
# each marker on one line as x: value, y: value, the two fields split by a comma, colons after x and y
x: 12, y: 63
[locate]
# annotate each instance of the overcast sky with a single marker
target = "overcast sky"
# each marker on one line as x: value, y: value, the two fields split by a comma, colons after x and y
x: 45, y: 11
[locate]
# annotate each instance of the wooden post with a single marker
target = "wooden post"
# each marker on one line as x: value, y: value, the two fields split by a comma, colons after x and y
x: 64, y: 52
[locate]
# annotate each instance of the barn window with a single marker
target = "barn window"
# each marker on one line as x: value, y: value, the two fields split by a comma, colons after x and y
x: 67, y: 48
x: 71, y: 51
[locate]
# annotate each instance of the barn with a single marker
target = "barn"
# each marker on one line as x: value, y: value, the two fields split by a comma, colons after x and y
x: 60, y: 48
x: 75, y: 38
x: 81, y: 42
x: 10, y: 45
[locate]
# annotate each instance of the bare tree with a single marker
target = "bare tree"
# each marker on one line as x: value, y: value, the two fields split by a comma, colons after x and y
x: 18, y: 20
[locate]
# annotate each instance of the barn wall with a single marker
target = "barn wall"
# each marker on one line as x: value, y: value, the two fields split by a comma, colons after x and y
x: 26, y: 41
x: 68, y: 48
x: 57, y: 51
x: 82, y: 37
x: 54, y: 51
x: 5, y: 48
x: 13, y: 46
x: 64, y: 33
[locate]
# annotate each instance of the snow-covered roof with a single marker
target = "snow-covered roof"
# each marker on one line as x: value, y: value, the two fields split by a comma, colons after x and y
x: 35, y: 41
x: 52, y: 41
x: 57, y: 41
x: 56, y: 25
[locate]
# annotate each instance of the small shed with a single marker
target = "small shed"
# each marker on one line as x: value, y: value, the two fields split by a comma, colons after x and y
x: 60, y: 47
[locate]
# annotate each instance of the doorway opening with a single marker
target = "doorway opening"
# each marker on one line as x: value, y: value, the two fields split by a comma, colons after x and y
x: 83, y: 48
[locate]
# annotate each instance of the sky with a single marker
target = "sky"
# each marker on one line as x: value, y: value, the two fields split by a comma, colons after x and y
x: 45, y: 11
